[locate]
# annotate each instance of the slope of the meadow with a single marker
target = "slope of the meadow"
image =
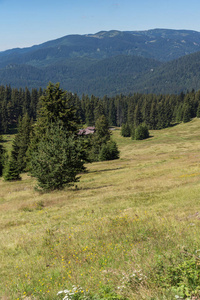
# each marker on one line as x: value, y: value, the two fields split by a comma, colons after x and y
x: 128, y: 230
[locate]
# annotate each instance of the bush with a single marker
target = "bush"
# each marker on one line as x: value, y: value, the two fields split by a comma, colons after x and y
x: 141, y: 132
x: 126, y: 130
x: 180, y: 274
x: 109, y: 151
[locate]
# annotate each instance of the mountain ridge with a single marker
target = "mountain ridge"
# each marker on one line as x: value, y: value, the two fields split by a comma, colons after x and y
x: 107, y: 62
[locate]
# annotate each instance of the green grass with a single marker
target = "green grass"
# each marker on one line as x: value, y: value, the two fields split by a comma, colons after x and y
x: 130, y: 228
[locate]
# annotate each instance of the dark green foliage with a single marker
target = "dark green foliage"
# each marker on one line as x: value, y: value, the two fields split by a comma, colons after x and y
x: 100, y: 145
x: 11, y: 171
x: 137, y: 116
x: 109, y: 151
x: 56, y: 154
x: 156, y: 111
x: 102, y: 132
x: 14, y: 104
x: 133, y: 133
x: 57, y: 105
x: 2, y: 156
x: 198, y: 111
x: 99, y: 138
x: 186, y: 113
x: 21, y: 142
x: 125, y: 130
x: 57, y: 160
x: 141, y: 132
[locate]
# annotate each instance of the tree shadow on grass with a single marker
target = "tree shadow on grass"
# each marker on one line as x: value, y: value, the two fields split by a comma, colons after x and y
x: 106, y: 170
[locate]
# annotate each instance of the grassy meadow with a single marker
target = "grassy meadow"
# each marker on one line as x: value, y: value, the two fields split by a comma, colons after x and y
x: 129, y: 229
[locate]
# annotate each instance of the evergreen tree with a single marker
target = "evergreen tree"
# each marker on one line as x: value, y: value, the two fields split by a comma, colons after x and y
x: 33, y: 104
x: 55, y: 105
x: 137, y: 116
x: 112, y: 114
x: 57, y: 160
x: 179, y: 113
x: 89, y: 114
x: 141, y: 132
x: 100, y: 137
x: 198, y: 111
x: 153, y: 116
x: 11, y: 171
x: 186, y: 113
x: 21, y: 142
x: 130, y: 113
x: 2, y: 156
x: 102, y: 133
x: 98, y: 110
x: 109, y: 151
x: 125, y: 130
x: 56, y: 153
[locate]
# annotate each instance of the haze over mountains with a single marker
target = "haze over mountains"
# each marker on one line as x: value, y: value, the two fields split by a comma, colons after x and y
x: 113, y: 62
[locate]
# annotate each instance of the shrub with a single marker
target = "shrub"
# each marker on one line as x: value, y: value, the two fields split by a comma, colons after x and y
x: 141, y: 132
x: 126, y: 130
x: 109, y: 151
x: 180, y: 274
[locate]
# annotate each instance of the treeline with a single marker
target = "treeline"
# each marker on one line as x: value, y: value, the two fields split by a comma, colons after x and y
x: 156, y: 111
x: 15, y: 103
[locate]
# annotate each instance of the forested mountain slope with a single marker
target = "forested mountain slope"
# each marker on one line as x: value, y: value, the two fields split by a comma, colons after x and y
x: 108, y: 62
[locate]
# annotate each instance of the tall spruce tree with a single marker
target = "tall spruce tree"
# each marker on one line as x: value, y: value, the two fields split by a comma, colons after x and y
x: 102, y: 147
x: 12, y: 171
x: 56, y: 105
x: 2, y: 156
x: 58, y: 159
x: 21, y: 142
x: 56, y: 155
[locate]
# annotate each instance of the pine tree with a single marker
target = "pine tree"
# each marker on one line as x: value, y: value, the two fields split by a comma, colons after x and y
x: 125, y: 130
x: 57, y: 160
x: 112, y: 113
x: 56, y: 153
x: 89, y: 114
x: 198, y: 111
x: 2, y: 156
x: 101, y: 144
x: 153, y: 121
x: 11, y: 171
x: 102, y: 133
x: 55, y: 105
x: 21, y: 142
x: 109, y: 151
x: 141, y: 132
x: 137, y: 116
x: 186, y: 113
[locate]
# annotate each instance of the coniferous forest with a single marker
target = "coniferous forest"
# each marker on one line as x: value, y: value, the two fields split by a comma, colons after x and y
x: 156, y: 111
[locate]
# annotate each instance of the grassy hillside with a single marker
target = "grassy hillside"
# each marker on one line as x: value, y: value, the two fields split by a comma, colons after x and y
x: 124, y: 230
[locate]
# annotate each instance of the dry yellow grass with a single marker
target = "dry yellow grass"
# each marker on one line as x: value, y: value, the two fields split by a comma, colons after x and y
x: 119, y: 218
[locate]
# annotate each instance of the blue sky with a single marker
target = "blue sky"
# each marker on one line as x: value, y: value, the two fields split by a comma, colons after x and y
x: 25, y: 23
